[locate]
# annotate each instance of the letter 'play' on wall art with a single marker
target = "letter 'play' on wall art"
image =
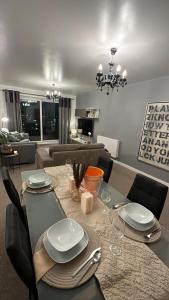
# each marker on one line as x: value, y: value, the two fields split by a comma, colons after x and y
x: 154, y: 144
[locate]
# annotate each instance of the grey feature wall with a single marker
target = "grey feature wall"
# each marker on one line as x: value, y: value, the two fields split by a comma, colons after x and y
x: 122, y: 116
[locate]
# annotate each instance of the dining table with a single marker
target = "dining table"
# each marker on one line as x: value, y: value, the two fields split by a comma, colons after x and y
x: 45, y: 209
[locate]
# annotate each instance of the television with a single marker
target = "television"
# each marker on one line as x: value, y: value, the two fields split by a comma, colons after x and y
x: 86, y: 125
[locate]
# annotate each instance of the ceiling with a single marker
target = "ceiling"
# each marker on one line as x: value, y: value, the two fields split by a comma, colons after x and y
x: 64, y: 41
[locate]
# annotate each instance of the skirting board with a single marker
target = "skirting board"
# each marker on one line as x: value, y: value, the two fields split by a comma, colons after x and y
x: 139, y: 171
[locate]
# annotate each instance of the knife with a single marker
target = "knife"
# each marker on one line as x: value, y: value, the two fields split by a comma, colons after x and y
x: 86, y: 261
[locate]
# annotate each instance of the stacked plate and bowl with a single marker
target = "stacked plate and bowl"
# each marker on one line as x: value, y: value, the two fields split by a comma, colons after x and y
x: 65, y: 240
x: 37, y: 181
x: 137, y: 216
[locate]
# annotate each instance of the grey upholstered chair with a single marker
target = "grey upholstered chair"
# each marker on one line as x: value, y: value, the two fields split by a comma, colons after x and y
x: 105, y: 163
x: 18, y: 248
x: 149, y: 193
x: 13, y: 194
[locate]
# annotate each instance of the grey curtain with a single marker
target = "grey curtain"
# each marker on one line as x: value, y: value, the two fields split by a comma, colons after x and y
x: 64, y: 120
x: 12, y: 99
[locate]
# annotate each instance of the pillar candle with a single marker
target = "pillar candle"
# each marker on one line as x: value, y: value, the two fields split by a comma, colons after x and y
x: 71, y: 184
x: 87, y: 202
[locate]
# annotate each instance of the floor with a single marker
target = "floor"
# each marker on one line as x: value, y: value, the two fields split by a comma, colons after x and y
x: 10, y: 286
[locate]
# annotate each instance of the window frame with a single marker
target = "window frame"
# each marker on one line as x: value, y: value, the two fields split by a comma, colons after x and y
x: 33, y: 99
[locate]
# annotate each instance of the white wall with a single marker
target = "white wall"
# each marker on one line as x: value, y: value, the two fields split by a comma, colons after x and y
x: 122, y: 117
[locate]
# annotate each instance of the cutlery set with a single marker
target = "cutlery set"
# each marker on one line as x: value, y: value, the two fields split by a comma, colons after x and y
x: 149, y: 235
x: 95, y: 259
x: 93, y: 255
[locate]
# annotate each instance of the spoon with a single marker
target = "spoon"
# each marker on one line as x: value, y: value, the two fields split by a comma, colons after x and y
x: 96, y: 258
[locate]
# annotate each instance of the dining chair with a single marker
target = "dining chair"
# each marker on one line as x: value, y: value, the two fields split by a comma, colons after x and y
x: 106, y: 164
x: 149, y: 193
x: 18, y: 248
x: 13, y: 194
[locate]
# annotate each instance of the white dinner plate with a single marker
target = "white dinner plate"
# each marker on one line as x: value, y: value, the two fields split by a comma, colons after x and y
x: 64, y: 257
x: 137, y: 216
x: 65, y: 234
x: 38, y: 179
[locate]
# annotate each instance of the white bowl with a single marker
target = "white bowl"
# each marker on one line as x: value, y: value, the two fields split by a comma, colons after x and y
x: 64, y: 257
x: 137, y: 216
x: 38, y: 179
x: 138, y: 213
x: 65, y: 234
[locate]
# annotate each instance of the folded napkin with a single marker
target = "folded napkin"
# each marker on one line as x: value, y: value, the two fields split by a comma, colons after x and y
x: 42, y: 263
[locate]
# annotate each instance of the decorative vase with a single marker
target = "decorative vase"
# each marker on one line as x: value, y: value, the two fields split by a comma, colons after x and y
x: 93, y: 179
x: 76, y: 194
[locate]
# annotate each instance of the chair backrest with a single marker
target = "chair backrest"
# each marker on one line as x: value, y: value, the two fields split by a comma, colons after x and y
x: 12, y: 193
x: 105, y: 163
x: 18, y: 248
x: 149, y: 193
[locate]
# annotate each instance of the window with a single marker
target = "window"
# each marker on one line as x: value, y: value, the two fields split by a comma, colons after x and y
x: 50, y: 120
x: 30, y: 113
x: 40, y: 119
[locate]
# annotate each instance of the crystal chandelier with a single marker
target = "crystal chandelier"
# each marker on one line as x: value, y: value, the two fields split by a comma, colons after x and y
x: 113, y: 79
x: 53, y: 94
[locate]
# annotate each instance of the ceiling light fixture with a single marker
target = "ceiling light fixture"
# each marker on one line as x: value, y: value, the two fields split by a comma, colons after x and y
x: 54, y: 94
x: 113, y: 78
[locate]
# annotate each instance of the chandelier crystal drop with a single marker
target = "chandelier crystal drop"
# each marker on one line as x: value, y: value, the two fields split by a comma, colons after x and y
x: 114, y: 78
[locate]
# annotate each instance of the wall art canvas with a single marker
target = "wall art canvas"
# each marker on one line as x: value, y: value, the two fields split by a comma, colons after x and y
x: 154, y: 144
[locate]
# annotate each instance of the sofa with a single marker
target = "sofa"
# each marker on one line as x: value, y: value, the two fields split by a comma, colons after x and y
x: 25, y: 147
x: 26, y: 150
x: 57, y: 155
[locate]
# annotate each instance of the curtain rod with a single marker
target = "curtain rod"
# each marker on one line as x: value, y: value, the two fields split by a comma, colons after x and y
x: 22, y: 93
x: 30, y: 94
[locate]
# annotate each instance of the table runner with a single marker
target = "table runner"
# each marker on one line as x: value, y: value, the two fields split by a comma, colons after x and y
x: 137, y: 273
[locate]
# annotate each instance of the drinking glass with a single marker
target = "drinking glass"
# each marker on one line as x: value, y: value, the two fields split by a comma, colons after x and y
x: 118, y: 232
x: 106, y: 198
x: 68, y: 164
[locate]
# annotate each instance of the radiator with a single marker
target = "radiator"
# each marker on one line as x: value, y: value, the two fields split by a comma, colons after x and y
x: 111, y: 145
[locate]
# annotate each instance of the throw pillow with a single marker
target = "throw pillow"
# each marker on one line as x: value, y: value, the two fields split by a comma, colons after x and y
x: 24, y: 135
x: 12, y: 138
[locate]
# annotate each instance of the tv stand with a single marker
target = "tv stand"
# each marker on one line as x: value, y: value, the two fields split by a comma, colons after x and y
x: 79, y: 141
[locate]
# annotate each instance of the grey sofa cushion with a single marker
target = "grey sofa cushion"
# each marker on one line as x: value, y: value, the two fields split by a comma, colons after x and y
x: 17, y: 136
x: 91, y: 146
x: 12, y: 138
x: 63, y: 148
x: 24, y: 141
x: 88, y: 156
x: 43, y: 158
x: 24, y: 135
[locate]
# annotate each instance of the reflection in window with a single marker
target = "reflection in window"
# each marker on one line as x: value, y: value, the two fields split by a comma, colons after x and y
x: 50, y: 120
x: 30, y: 113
